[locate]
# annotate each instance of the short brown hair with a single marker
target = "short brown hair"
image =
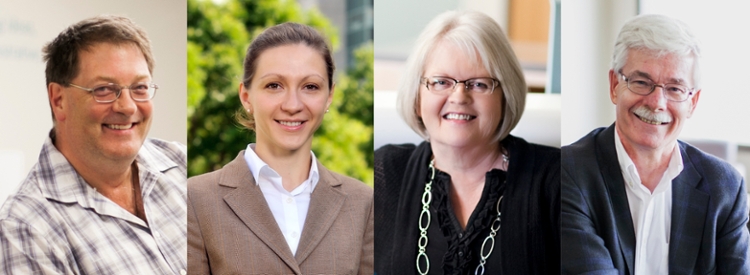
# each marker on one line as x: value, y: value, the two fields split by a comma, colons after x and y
x: 280, y: 35
x: 62, y: 54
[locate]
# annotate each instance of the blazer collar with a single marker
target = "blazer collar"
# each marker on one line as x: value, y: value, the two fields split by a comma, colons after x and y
x: 606, y: 157
x: 689, y: 206
x: 326, y: 202
x: 250, y: 206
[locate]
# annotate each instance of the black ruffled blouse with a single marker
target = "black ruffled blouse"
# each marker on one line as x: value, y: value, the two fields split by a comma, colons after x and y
x: 454, y: 249
x: 528, y: 241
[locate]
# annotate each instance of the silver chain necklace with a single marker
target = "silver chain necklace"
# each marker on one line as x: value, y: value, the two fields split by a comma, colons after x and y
x: 424, y: 224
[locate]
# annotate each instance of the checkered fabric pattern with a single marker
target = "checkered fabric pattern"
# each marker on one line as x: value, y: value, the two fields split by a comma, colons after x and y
x: 56, y: 223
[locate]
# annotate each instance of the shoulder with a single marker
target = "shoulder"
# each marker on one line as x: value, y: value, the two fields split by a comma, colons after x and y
x: 204, y: 184
x: 173, y: 150
x: 708, y: 166
x: 583, y: 152
x: 584, y: 146
x: 351, y: 186
x: 235, y: 169
x: 394, y: 152
x: 391, y: 159
x: 29, y: 213
x: 541, y: 153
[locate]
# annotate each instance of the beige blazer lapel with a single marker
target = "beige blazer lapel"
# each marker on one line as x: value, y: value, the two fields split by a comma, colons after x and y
x: 260, y: 220
x: 325, y: 203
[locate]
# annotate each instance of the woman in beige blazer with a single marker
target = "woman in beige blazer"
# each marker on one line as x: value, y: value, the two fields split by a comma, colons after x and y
x: 274, y: 209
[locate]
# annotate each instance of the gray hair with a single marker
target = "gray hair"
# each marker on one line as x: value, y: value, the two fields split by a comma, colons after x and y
x: 658, y: 33
x: 473, y: 33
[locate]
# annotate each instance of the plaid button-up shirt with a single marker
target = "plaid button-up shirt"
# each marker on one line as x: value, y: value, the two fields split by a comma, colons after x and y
x: 56, y: 223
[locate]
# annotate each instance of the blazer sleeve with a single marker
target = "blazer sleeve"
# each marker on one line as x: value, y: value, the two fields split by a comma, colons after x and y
x: 732, y: 238
x: 367, y: 263
x: 196, y: 250
x: 583, y: 251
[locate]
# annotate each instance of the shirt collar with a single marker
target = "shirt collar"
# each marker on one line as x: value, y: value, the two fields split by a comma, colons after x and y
x: 256, y: 165
x: 629, y: 171
x: 61, y: 182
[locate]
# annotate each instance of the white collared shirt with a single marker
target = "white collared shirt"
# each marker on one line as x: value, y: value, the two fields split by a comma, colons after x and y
x: 288, y: 208
x: 651, y: 212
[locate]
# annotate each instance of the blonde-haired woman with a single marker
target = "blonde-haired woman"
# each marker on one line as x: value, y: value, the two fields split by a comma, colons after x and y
x: 471, y: 198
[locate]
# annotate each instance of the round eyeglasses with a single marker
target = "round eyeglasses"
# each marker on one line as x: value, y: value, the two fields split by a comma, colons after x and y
x: 445, y: 85
x: 110, y: 92
x: 643, y: 86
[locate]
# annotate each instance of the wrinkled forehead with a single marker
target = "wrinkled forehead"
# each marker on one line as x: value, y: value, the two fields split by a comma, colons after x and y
x: 671, y: 66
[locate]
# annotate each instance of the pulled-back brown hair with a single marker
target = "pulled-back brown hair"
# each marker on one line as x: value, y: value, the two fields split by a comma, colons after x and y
x: 283, y: 34
x: 62, y: 54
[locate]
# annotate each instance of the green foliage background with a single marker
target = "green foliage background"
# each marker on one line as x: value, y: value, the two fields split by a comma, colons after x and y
x: 218, y: 35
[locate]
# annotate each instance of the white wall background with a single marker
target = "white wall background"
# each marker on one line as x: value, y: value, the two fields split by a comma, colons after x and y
x: 26, y: 25
x: 589, y: 28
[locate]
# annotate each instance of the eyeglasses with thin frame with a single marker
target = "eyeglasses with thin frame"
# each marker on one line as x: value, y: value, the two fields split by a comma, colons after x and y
x: 644, y: 86
x: 445, y: 85
x: 110, y: 92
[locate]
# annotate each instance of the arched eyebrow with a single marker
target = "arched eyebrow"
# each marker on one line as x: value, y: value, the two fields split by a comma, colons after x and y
x: 284, y: 77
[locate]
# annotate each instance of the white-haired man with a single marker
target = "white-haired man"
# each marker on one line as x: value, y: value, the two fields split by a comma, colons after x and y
x: 635, y: 200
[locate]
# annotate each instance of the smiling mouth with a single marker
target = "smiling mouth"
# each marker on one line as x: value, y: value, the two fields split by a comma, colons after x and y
x: 652, y: 122
x: 290, y: 123
x: 454, y: 116
x: 119, y: 126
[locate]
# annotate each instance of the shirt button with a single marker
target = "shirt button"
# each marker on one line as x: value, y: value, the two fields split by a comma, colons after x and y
x: 460, y: 235
x: 289, y: 200
x: 183, y: 272
x: 156, y: 235
x: 460, y: 253
x: 294, y: 234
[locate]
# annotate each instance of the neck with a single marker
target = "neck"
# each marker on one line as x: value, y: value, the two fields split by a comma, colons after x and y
x: 468, y: 164
x: 651, y: 163
x: 467, y: 168
x: 293, y: 166
x: 113, y: 178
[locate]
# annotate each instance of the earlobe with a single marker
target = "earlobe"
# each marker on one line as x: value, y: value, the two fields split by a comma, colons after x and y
x: 245, y: 98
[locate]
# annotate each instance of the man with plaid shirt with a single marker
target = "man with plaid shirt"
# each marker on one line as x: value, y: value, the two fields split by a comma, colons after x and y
x: 103, y: 198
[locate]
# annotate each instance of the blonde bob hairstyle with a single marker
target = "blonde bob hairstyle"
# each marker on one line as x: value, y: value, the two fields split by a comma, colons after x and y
x: 473, y: 33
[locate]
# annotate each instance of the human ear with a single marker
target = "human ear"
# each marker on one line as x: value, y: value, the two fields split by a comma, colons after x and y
x: 245, y: 98
x: 57, y: 99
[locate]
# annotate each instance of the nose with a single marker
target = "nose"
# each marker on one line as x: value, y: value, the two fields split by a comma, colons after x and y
x: 125, y: 103
x: 657, y: 99
x: 292, y: 103
x: 460, y: 95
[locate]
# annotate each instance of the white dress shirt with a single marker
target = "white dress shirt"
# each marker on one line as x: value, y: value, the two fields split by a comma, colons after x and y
x: 651, y: 212
x: 288, y: 208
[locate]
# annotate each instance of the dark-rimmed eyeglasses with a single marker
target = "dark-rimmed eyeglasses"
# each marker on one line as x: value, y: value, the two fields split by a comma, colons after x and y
x: 107, y: 93
x: 643, y: 86
x: 445, y: 85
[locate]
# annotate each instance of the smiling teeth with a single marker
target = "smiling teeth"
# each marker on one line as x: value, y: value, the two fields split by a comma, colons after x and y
x: 650, y: 121
x: 290, y: 123
x: 651, y: 117
x: 119, y: 127
x: 458, y: 116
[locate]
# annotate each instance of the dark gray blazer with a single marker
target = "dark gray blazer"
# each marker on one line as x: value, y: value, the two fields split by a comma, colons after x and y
x: 709, y: 213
